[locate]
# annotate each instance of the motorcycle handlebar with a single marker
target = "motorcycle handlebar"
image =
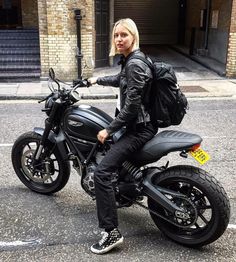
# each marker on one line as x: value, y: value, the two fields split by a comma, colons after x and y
x: 65, y: 93
x: 81, y: 83
x: 44, y: 99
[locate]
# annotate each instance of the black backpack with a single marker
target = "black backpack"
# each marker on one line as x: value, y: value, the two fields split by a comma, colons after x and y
x: 166, y: 102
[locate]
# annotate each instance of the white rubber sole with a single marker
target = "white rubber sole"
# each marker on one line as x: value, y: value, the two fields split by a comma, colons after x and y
x: 105, y: 250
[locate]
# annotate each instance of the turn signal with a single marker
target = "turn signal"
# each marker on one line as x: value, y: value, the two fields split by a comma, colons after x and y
x: 195, y: 147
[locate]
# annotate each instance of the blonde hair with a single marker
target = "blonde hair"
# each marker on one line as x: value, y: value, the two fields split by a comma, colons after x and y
x: 130, y: 25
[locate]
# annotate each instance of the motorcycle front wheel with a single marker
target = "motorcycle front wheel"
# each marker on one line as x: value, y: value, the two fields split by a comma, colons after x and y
x: 206, y: 203
x: 49, y: 175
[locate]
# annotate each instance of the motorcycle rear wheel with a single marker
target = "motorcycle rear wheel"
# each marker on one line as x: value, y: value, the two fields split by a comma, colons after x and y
x: 205, y: 193
x: 49, y: 175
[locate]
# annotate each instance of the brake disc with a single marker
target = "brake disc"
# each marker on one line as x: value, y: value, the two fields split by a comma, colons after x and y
x: 35, y: 174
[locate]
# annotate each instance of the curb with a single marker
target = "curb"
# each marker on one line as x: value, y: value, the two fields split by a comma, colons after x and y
x: 39, y: 97
x: 109, y: 96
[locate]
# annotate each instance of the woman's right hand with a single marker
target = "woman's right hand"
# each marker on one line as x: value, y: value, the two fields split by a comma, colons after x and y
x: 93, y: 80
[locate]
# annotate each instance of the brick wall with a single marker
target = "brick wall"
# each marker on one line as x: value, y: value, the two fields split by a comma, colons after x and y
x: 231, y: 58
x: 58, y: 38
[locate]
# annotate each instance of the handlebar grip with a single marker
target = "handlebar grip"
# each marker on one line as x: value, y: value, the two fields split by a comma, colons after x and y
x: 81, y: 83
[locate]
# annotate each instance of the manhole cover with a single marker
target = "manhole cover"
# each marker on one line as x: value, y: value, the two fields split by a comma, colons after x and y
x: 192, y: 89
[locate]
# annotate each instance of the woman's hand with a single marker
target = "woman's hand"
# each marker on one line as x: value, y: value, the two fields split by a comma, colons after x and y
x: 93, y: 80
x: 102, y: 135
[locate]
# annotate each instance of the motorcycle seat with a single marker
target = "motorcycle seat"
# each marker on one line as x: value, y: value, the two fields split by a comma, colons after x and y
x: 165, y: 142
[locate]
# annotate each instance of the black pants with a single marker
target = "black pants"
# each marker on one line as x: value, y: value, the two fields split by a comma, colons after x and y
x: 119, y: 152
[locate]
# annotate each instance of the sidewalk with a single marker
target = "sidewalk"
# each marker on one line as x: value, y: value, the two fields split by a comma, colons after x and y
x: 193, y: 87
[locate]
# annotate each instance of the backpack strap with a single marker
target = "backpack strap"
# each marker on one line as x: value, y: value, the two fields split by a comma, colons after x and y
x: 145, y: 60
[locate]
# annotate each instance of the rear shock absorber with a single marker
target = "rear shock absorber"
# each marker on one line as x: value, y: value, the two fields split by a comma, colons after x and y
x: 135, y: 172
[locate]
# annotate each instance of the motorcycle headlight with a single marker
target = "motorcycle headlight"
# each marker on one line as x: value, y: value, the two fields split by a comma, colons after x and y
x: 48, y: 105
x: 74, y: 95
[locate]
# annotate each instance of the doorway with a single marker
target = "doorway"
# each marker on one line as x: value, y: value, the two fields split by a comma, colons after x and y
x: 10, y: 14
x: 102, y: 33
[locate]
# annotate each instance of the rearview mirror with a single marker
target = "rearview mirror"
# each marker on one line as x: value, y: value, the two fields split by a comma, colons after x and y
x: 51, y: 73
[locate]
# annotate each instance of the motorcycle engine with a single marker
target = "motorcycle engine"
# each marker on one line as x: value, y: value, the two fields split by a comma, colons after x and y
x: 88, y: 181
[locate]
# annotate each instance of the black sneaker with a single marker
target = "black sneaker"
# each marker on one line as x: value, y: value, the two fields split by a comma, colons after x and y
x: 108, y: 242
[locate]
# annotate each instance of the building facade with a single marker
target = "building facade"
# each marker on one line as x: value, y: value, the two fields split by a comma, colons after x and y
x: 205, y: 27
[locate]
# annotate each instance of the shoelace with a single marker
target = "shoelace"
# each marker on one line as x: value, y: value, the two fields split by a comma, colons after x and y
x: 104, y: 238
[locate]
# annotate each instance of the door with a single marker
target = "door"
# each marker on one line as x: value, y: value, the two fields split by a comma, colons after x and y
x: 102, y: 33
x: 10, y: 13
x: 157, y: 20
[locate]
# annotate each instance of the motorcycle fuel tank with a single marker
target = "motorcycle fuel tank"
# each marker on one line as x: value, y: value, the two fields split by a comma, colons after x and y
x: 85, y: 122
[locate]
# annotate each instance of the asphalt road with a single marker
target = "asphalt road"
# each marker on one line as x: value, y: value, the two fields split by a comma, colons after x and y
x: 63, y: 226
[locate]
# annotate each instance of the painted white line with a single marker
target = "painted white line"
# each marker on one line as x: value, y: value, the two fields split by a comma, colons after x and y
x: 6, y: 145
x: 19, y: 101
x: 231, y: 226
x: 19, y: 243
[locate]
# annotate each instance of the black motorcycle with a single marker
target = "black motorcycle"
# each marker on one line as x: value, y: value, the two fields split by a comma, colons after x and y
x: 186, y: 203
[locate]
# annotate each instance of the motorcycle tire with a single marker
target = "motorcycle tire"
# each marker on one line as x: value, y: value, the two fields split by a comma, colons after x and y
x: 206, y: 196
x: 51, y: 173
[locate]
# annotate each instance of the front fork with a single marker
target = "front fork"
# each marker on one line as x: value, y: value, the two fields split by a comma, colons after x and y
x: 45, y: 135
x: 48, y: 127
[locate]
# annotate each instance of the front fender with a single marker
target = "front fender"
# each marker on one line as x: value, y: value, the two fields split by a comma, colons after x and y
x: 59, y: 140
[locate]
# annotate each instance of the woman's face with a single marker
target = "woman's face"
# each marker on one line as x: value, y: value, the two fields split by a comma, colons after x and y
x: 123, y: 40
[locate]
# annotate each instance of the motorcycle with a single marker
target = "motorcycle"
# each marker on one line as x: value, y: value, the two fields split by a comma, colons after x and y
x: 185, y: 202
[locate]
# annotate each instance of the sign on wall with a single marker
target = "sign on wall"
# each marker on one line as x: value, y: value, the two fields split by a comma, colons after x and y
x: 214, y: 19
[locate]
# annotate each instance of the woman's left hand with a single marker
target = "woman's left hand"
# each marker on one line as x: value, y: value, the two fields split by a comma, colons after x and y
x: 102, y: 135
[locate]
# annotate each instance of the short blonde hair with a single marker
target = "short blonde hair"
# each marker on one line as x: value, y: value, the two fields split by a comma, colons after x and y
x: 130, y: 25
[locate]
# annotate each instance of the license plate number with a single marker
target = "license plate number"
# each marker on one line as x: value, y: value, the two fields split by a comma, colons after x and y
x: 200, y: 155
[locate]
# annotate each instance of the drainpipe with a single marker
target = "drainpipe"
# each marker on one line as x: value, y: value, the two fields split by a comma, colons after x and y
x: 207, y: 23
x: 79, y: 55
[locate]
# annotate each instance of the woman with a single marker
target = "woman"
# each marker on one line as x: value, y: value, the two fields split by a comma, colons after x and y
x: 135, y: 78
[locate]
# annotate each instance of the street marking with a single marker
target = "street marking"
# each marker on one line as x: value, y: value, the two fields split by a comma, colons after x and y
x: 231, y: 226
x: 6, y: 145
x: 18, y: 101
x: 19, y: 243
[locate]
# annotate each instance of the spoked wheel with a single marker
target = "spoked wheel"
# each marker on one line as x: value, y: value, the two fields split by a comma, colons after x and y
x: 49, y: 174
x: 206, y: 206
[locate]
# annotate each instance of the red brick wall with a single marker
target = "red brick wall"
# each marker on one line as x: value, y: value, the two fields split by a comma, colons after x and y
x: 231, y: 58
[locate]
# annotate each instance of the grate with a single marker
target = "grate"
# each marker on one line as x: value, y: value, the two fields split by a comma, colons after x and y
x: 181, y: 69
x: 192, y: 89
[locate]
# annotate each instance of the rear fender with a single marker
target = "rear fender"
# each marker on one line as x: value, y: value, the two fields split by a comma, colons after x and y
x: 59, y: 140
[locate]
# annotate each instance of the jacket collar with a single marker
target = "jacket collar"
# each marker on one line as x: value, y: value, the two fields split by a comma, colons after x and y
x: 135, y: 52
x: 123, y: 59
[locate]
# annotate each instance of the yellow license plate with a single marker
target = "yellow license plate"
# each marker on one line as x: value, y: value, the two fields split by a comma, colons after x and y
x: 200, y: 155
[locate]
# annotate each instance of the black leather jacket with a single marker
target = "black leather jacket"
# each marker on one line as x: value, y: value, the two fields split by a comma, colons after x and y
x: 134, y: 78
